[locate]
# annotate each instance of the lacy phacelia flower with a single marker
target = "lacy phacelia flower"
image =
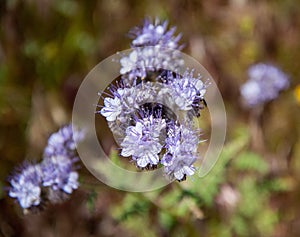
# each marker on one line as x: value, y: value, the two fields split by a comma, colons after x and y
x: 264, y: 84
x: 125, y: 102
x: 57, y: 167
x: 157, y: 33
x: 142, y: 141
x: 151, y: 110
x: 54, y: 178
x: 149, y: 59
x: 112, y: 108
x: 186, y: 91
x: 181, y: 166
x: 161, y: 51
x: 58, y: 174
x: 181, y: 151
x: 26, y: 186
x: 63, y: 142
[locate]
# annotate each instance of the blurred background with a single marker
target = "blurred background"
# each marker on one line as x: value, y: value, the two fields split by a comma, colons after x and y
x: 48, y: 46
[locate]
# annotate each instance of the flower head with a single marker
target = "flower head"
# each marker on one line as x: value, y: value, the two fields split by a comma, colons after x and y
x: 180, y: 167
x: 126, y: 101
x: 54, y: 178
x: 59, y: 157
x: 149, y: 59
x: 112, y: 108
x: 184, y: 92
x: 151, y: 110
x: 26, y: 186
x: 63, y: 142
x: 187, y: 90
x: 154, y: 48
x: 155, y: 33
x: 181, y: 152
x: 58, y: 173
x: 264, y: 84
x: 142, y: 141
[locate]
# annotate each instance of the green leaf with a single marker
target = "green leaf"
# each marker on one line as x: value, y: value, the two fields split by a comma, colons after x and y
x: 208, y: 186
x: 166, y: 220
x: 252, y: 200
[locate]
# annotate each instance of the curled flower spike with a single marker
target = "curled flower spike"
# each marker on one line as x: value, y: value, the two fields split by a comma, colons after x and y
x: 162, y: 53
x: 58, y: 174
x: 125, y: 102
x: 186, y: 91
x: 181, y: 151
x: 155, y: 33
x: 142, y: 141
x: 149, y: 59
x: 26, y: 186
x: 54, y: 178
x: 264, y: 84
x: 151, y: 110
x: 63, y: 142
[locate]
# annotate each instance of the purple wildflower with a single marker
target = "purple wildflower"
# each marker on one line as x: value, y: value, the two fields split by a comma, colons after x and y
x: 26, y: 186
x: 186, y: 90
x: 142, y: 141
x: 54, y: 178
x: 155, y: 33
x: 154, y: 48
x: 126, y: 101
x: 183, y: 92
x: 112, y: 108
x: 264, y: 84
x: 142, y: 110
x: 63, y: 142
x: 181, y: 152
x: 149, y: 59
x: 58, y: 173
x: 181, y: 166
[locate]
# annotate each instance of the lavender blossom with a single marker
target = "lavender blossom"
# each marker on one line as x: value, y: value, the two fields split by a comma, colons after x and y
x: 63, y: 142
x: 142, y: 141
x: 186, y: 90
x: 181, y: 152
x: 181, y: 166
x: 26, y: 186
x: 161, y: 51
x: 142, y: 109
x: 156, y: 33
x: 149, y: 59
x: 112, y: 108
x: 183, y: 93
x: 58, y: 174
x: 59, y: 158
x: 54, y: 178
x: 126, y: 101
x: 264, y: 84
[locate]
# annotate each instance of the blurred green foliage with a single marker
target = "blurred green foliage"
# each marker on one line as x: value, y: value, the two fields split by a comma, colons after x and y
x: 181, y: 208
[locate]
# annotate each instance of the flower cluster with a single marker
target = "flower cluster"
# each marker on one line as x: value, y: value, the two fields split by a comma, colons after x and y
x: 162, y: 51
x: 152, y: 107
x: 54, y: 178
x: 152, y: 34
x: 264, y: 84
x: 26, y: 186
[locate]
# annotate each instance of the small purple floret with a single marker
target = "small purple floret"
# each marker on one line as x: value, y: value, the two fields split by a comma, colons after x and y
x: 264, y: 84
